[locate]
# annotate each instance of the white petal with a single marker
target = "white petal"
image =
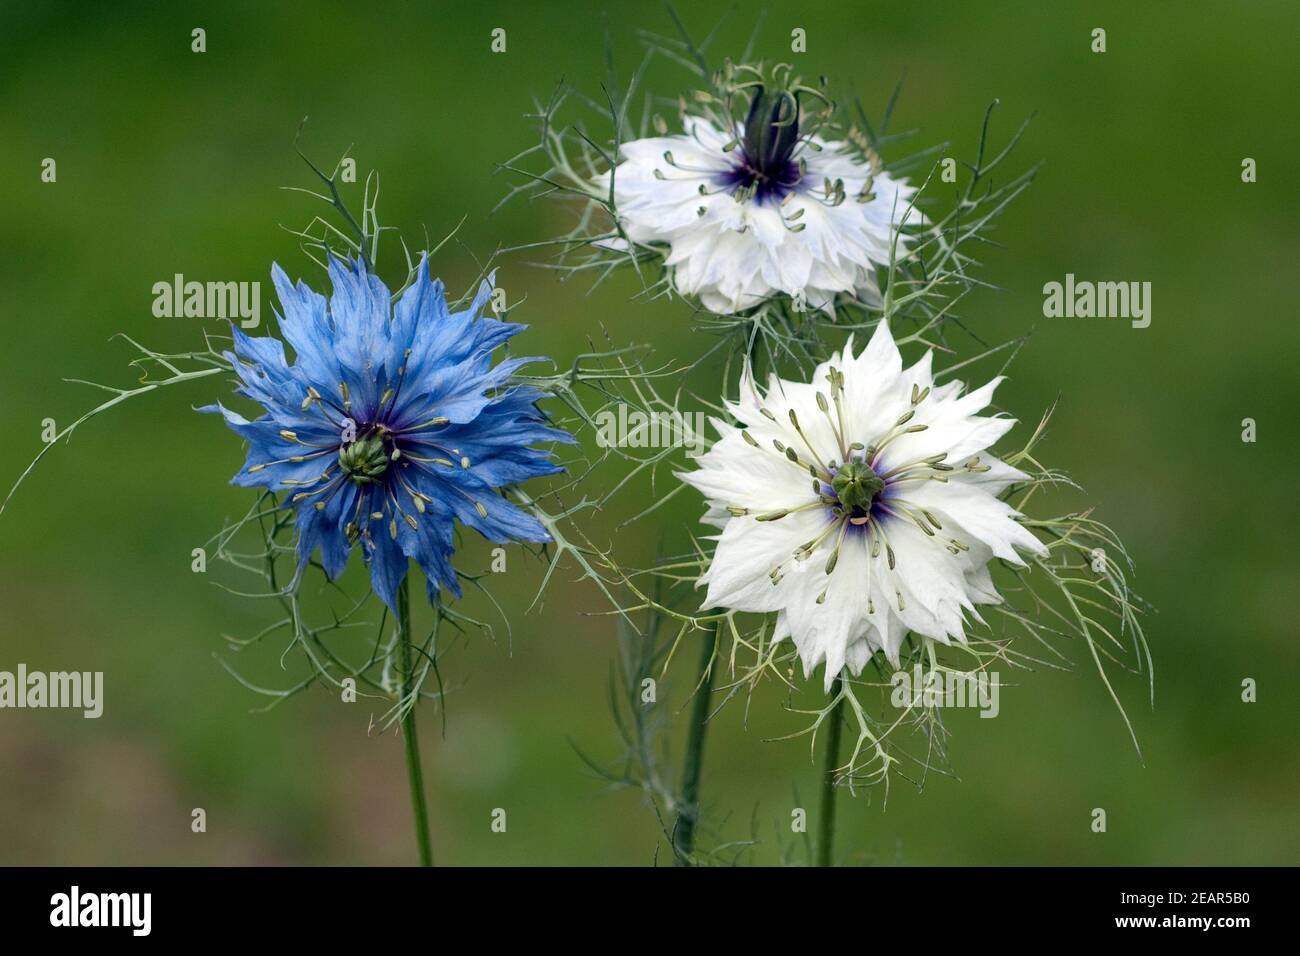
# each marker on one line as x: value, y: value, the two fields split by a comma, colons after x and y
x: 747, y: 552
x: 823, y: 632
x: 969, y: 512
x: 734, y: 473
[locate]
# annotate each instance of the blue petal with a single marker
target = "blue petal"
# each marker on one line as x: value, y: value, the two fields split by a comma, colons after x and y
x: 306, y: 326
x: 360, y: 308
x: 323, y: 529
x: 388, y: 566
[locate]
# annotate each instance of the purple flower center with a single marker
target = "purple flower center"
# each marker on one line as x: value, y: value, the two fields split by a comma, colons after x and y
x: 763, y: 164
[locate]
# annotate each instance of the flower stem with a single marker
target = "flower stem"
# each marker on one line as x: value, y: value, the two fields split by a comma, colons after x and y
x: 688, y: 815
x: 826, y: 839
x: 414, y: 771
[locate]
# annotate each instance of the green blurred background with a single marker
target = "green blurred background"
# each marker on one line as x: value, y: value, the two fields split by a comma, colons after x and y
x: 171, y: 161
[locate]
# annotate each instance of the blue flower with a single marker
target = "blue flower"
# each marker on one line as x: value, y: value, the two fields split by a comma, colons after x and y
x: 390, y: 424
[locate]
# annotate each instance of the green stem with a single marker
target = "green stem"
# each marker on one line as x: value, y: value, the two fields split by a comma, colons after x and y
x: 408, y: 724
x: 826, y: 840
x: 688, y: 815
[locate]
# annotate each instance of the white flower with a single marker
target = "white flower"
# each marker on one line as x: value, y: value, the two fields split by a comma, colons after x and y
x: 758, y: 210
x: 859, y: 507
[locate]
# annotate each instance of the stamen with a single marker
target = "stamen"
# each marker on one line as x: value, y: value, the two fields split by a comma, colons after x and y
x: 440, y: 420
x: 794, y: 420
x: 834, y: 559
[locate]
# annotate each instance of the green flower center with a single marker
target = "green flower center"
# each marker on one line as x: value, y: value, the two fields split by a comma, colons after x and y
x: 856, y: 485
x: 364, y: 460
